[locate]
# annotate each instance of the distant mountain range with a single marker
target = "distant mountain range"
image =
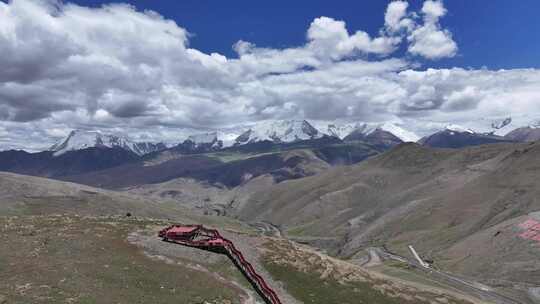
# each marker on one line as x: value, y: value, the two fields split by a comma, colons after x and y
x: 113, y: 161
x: 384, y: 135
x: 275, y: 131
x: 279, y: 131
x: 334, y: 143
x: 458, y: 137
x: 47, y: 164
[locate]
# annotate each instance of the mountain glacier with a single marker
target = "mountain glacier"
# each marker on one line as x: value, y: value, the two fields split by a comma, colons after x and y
x: 81, y: 139
x: 279, y: 131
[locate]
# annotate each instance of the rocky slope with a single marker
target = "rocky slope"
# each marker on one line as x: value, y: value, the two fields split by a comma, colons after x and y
x: 525, y: 134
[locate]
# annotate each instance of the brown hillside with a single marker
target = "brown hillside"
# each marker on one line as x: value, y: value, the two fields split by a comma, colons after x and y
x: 461, y: 207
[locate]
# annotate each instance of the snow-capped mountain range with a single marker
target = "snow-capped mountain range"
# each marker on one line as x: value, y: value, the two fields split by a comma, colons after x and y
x: 279, y: 131
x: 458, y: 129
x: 212, y: 140
x: 80, y: 139
x: 343, y: 129
x: 401, y: 133
x: 206, y: 138
x: 285, y: 131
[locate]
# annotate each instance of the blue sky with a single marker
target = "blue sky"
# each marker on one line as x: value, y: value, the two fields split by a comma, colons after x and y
x: 498, y: 34
x: 160, y: 70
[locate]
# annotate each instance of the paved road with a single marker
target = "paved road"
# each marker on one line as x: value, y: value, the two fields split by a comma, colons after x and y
x: 469, y: 287
x: 268, y: 228
x: 376, y: 254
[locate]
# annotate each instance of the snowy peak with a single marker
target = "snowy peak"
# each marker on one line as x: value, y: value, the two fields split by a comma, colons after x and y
x: 338, y: 130
x: 458, y: 129
x: 279, y: 131
x: 200, y: 143
x: 228, y: 137
x: 404, y: 135
x: 295, y: 130
x: 343, y: 130
x: 454, y: 136
x: 143, y: 148
x: 80, y: 139
x: 377, y: 137
x: 204, y: 139
x: 77, y: 140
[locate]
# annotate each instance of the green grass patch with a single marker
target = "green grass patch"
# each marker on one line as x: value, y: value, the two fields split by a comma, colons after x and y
x: 396, y: 264
x: 90, y: 261
x: 401, y: 271
x: 310, y: 288
x: 298, y: 230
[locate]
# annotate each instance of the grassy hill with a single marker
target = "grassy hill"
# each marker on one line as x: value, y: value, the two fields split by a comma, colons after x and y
x: 68, y: 243
x: 460, y: 207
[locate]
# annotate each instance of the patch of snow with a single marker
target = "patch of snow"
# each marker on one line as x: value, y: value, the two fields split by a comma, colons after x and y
x: 228, y: 138
x: 406, y: 136
x: 459, y: 129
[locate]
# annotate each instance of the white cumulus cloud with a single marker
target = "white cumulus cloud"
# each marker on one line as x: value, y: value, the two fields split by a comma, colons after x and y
x: 430, y: 40
x: 117, y: 69
x: 395, y: 18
